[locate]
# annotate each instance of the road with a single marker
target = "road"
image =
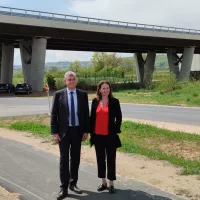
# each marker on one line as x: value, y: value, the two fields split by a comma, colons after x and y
x: 14, y: 106
x: 34, y: 174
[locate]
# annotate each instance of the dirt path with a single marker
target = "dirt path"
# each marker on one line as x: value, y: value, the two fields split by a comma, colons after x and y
x: 5, y: 195
x: 160, y: 174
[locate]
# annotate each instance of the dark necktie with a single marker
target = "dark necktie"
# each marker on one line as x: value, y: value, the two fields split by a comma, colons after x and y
x: 72, y: 110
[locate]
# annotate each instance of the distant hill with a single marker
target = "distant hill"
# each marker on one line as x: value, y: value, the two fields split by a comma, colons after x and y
x: 60, y: 64
x: 161, y: 61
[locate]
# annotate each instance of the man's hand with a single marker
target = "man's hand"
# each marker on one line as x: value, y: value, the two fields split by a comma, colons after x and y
x: 56, y: 138
x: 85, y: 135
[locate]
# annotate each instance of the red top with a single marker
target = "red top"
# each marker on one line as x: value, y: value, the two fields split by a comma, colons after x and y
x: 101, y: 126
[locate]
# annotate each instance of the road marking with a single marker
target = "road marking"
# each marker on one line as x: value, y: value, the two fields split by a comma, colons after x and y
x: 21, y: 188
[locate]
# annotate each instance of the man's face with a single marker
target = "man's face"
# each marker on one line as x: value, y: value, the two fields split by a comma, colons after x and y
x: 71, y: 82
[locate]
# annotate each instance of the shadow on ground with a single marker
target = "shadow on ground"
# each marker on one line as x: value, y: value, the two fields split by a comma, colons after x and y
x: 119, y: 195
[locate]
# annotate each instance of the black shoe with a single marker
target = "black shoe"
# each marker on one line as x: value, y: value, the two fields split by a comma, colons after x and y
x: 102, y: 187
x: 75, y: 189
x: 62, y: 194
x: 111, y: 189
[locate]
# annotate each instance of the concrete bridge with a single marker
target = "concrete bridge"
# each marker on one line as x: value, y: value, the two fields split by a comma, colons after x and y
x: 35, y: 31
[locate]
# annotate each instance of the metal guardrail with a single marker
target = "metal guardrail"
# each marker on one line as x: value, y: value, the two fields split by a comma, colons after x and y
x: 92, y: 21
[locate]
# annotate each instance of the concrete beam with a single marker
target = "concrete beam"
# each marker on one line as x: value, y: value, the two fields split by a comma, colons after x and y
x: 7, y: 63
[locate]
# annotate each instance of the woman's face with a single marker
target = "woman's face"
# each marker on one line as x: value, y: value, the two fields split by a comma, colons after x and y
x: 105, y: 89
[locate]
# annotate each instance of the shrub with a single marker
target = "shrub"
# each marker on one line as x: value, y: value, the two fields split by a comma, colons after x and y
x: 169, y: 84
x: 161, y: 92
x: 60, y: 84
x: 195, y: 94
x: 51, y: 81
x: 188, y: 99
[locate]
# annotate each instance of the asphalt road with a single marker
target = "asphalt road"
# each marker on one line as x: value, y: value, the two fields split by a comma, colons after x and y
x: 15, y: 106
x: 34, y: 174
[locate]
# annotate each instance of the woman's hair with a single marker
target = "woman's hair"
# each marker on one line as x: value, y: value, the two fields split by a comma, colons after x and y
x: 99, y: 96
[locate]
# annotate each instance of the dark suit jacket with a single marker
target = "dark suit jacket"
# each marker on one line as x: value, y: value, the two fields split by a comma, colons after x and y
x: 114, y: 120
x: 60, y: 112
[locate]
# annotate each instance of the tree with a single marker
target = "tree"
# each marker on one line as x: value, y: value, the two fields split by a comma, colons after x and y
x: 51, y: 81
x: 53, y: 69
x: 75, y: 66
x: 113, y: 60
x: 128, y: 64
x: 101, y: 60
x: 98, y: 61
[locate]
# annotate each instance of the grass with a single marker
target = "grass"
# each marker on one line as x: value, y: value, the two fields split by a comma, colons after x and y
x: 186, y: 94
x: 178, y: 148
x: 36, y: 128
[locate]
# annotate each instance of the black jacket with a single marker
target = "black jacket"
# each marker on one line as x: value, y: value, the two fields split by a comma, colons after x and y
x: 114, y: 120
x: 60, y: 112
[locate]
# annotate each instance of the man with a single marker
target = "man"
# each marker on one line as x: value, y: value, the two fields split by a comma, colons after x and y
x: 69, y: 126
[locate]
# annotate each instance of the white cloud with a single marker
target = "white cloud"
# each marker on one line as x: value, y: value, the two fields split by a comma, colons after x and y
x: 168, y: 13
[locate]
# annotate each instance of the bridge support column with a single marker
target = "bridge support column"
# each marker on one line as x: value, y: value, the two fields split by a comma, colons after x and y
x: 173, y: 63
x: 26, y: 53
x: 181, y: 66
x: 0, y: 60
x: 7, y: 63
x: 139, y: 63
x: 149, y: 68
x: 186, y: 64
x: 33, y: 54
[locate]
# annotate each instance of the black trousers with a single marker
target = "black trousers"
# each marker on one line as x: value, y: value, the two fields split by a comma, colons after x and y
x: 105, y: 150
x: 70, y: 150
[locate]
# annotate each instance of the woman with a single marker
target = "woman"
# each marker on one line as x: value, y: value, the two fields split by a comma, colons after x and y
x: 106, y: 118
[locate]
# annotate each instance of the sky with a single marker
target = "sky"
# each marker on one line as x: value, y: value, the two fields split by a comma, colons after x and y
x: 176, y: 13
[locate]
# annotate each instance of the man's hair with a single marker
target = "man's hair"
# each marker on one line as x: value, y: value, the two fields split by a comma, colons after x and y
x: 69, y: 73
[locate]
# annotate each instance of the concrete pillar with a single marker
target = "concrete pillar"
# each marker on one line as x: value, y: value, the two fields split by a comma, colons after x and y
x: 173, y: 62
x: 196, y: 63
x: 0, y: 60
x: 38, y: 63
x: 33, y: 61
x: 186, y: 63
x: 7, y: 63
x: 26, y: 54
x: 149, y: 68
x: 139, y: 63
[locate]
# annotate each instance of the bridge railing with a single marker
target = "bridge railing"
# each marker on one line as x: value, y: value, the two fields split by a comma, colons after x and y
x: 92, y: 21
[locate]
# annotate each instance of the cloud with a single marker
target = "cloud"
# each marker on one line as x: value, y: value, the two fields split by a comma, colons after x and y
x: 170, y: 13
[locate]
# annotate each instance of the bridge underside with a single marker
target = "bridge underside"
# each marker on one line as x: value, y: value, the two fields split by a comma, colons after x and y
x: 33, y: 42
x: 66, y: 39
